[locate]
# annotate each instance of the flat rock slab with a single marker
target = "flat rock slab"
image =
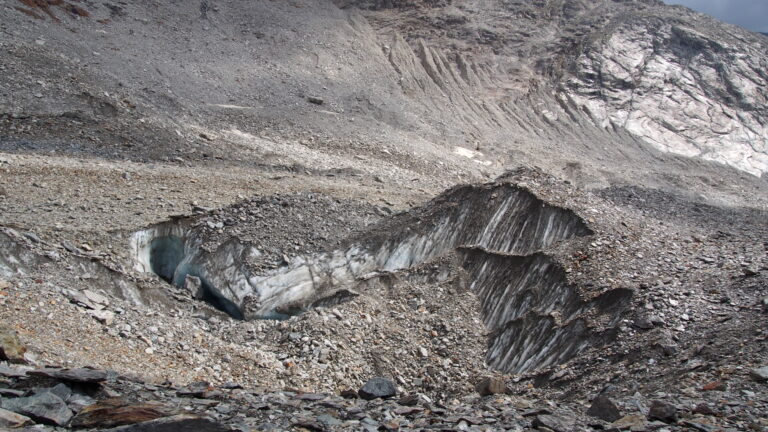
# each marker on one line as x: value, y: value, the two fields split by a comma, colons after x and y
x: 80, y: 375
x: 44, y: 407
x: 12, y: 372
x: 553, y: 422
x: 178, y: 423
x: 10, y: 419
x: 118, y: 412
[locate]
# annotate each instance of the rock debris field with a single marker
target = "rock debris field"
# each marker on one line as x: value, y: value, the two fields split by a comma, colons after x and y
x: 429, y: 328
x: 356, y: 215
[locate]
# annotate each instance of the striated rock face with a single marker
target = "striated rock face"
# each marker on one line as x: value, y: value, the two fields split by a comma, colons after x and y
x: 680, y: 81
x: 594, y: 91
x: 690, y: 87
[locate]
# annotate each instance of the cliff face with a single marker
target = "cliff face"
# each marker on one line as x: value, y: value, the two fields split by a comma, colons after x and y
x: 687, y: 86
x: 678, y: 80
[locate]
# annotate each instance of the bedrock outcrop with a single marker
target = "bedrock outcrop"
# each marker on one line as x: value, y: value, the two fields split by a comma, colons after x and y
x: 685, y: 86
x: 679, y: 81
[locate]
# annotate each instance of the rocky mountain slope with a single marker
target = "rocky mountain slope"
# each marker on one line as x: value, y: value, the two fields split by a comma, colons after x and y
x: 381, y: 215
x: 678, y: 80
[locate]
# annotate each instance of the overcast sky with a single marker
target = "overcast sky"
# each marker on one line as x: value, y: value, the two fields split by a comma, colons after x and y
x: 750, y: 14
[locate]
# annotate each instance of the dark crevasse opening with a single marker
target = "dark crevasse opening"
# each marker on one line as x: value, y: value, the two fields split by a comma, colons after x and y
x: 168, y: 258
x: 214, y: 298
x: 165, y: 255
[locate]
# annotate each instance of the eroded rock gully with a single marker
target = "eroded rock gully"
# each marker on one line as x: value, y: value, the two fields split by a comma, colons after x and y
x: 496, y: 234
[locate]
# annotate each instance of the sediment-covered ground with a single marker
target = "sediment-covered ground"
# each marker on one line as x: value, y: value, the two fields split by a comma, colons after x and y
x: 307, y: 216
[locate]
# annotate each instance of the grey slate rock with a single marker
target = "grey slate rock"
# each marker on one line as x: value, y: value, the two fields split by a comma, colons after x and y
x: 759, y: 374
x: 11, y: 392
x: 61, y: 390
x: 604, y: 409
x: 80, y: 375
x: 177, y: 423
x: 553, y: 422
x: 643, y: 323
x: 662, y: 411
x: 44, y: 407
x: 9, y: 419
x: 377, y: 388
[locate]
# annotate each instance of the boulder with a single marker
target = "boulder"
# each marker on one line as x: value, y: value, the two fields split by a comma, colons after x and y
x: 9, y: 419
x: 11, y: 348
x: 377, y: 388
x: 662, y: 411
x: 604, y: 409
x: 491, y: 386
x: 43, y: 407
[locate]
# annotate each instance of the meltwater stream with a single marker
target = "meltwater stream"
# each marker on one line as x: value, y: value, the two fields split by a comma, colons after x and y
x: 497, y: 231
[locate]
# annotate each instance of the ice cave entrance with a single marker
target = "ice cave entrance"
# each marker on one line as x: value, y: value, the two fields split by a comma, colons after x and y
x: 169, y: 259
x: 165, y: 255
